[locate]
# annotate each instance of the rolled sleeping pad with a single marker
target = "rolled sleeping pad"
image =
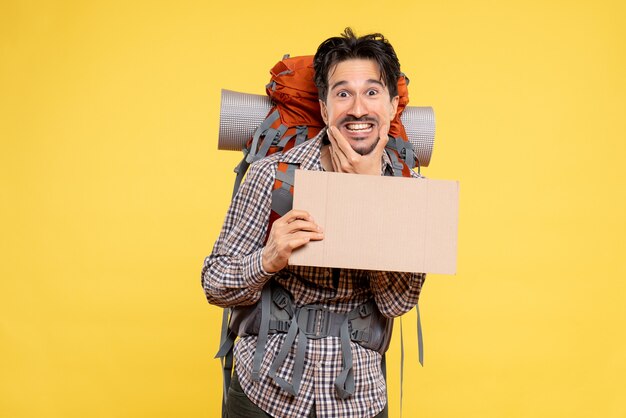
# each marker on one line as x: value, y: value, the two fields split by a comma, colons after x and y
x: 242, y: 113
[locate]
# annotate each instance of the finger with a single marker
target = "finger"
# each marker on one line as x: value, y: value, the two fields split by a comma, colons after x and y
x: 342, y: 144
x: 293, y: 215
x: 301, y: 225
x: 383, y: 139
x: 341, y: 160
x: 302, y: 238
x: 307, y: 236
x: 335, y: 161
x: 334, y: 147
x: 302, y: 241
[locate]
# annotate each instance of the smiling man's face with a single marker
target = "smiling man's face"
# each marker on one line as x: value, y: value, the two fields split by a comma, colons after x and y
x: 358, y: 103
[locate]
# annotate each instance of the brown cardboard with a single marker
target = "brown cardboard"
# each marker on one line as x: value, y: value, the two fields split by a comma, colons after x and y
x: 379, y: 223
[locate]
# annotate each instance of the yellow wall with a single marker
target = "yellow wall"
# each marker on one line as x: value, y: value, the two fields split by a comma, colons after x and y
x: 113, y: 192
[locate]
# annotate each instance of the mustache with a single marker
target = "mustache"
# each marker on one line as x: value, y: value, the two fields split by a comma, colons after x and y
x: 362, y: 119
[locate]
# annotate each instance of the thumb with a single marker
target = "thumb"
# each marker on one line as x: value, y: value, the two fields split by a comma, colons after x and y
x: 383, y: 139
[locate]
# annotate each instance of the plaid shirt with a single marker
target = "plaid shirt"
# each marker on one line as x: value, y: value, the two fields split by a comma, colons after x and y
x: 233, y: 275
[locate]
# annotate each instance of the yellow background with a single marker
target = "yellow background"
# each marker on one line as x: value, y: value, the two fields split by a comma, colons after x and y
x: 113, y: 192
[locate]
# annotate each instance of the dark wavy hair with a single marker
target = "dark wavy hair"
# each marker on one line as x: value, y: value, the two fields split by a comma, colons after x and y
x: 348, y: 46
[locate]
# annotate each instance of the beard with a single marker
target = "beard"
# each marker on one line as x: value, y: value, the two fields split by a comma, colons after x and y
x: 366, y: 150
x: 361, y: 150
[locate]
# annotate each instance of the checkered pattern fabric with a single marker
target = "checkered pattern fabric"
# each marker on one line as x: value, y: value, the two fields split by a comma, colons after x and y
x: 233, y: 275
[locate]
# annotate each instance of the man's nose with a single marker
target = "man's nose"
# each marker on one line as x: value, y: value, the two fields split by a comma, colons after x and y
x: 358, y: 108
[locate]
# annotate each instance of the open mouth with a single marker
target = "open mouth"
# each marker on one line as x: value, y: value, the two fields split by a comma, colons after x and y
x: 360, y: 127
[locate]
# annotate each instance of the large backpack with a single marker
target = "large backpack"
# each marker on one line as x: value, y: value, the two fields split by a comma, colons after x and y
x: 295, y: 117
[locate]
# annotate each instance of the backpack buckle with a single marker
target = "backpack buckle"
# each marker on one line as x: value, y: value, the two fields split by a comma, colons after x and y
x: 313, y: 321
x: 365, y: 310
x: 359, y: 335
x: 280, y: 299
x: 280, y: 326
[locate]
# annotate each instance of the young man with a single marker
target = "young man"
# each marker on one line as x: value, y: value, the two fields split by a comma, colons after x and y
x: 327, y: 370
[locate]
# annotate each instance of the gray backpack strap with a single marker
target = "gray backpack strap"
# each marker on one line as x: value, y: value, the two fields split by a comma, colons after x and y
x: 294, y: 387
x: 344, y: 383
x: 275, y: 312
x: 253, y: 154
x: 225, y: 354
x: 261, y: 130
x: 271, y: 137
x: 420, y: 338
x: 396, y: 165
x: 407, y: 153
x: 405, y: 149
x: 266, y: 299
x: 282, y: 199
x: 401, y: 366
x: 301, y: 134
x: 284, y: 141
x: 228, y: 369
x: 420, y: 349
x: 241, y: 169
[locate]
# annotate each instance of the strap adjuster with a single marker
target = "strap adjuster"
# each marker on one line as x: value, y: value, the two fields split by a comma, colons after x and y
x: 313, y: 321
x: 358, y: 335
x: 280, y: 299
x: 365, y: 310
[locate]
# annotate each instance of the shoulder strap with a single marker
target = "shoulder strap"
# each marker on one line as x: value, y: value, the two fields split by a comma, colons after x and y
x: 402, y: 156
x: 282, y: 193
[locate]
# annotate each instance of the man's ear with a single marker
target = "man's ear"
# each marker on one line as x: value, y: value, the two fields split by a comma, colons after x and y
x: 324, y: 111
x: 394, y: 106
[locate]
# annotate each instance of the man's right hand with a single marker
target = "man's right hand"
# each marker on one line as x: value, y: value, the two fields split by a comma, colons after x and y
x: 291, y: 231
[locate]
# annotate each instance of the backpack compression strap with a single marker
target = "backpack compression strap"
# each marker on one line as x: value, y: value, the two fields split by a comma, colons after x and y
x: 225, y: 354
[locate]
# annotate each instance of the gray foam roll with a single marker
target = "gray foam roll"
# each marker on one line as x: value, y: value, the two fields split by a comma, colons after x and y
x: 419, y: 124
x: 242, y: 113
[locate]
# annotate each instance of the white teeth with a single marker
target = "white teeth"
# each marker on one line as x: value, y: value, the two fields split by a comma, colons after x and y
x: 358, y: 126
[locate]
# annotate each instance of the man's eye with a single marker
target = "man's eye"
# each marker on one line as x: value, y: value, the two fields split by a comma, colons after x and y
x: 372, y: 92
x: 342, y: 94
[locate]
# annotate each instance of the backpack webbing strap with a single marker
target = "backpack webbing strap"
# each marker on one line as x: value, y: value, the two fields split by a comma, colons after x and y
x: 294, y: 387
x: 271, y: 136
x: 282, y: 199
x: 361, y: 325
x: 401, y: 366
x: 266, y: 298
x: 420, y: 350
x: 396, y: 165
x: 420, y: 339
x: 261, y: 130
x: 227, y: 372
x: 284, y: 140
x: 286, y: 177
x: 241, y: 169
x: 344, y: 383
x: 224, y: 340
x: 406, y: 151
x: 301, y: 134
x: 313, y: 321
x: 225, y: 354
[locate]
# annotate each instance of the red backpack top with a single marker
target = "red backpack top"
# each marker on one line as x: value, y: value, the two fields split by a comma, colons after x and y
x: 296, y: 117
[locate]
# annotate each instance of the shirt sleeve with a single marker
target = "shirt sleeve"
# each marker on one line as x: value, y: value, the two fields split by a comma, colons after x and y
x: 233, y: 274
x: 396, y: 293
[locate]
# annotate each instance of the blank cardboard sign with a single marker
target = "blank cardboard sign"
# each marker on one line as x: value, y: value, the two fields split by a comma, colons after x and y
x: 379, y: 223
